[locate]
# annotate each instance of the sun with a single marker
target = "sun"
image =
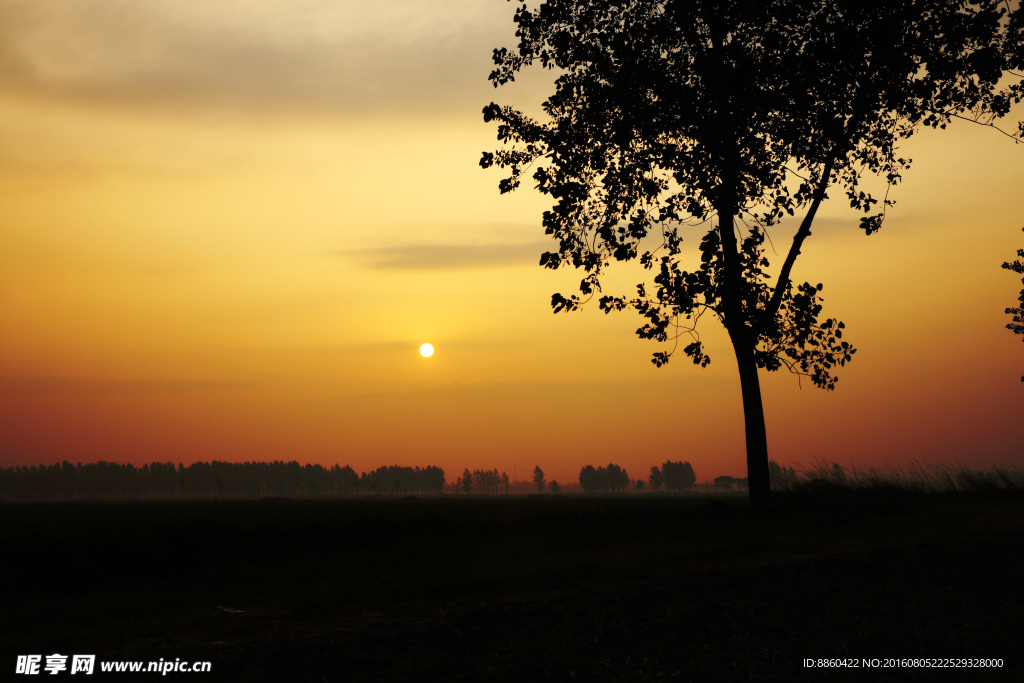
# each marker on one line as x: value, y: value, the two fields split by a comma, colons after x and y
x: 427, y: 350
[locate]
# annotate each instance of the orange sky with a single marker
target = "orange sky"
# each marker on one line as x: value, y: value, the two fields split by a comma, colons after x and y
x: 224, y: 236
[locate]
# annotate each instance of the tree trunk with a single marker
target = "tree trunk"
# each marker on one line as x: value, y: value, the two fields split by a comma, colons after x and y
x: 753, y: 423
x: 744, y: 339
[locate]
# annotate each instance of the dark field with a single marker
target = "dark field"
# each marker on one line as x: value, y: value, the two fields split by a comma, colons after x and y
x: 615, y: 588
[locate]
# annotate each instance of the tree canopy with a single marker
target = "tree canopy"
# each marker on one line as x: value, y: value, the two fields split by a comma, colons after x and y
x: 718, y: 120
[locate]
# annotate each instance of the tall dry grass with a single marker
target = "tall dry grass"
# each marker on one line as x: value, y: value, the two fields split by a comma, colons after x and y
x: 914, y: 478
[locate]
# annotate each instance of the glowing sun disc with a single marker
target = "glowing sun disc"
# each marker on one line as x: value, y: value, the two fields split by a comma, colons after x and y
x: 427, y: 350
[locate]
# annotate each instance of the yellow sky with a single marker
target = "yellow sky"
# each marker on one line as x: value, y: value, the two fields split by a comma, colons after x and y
x: 227, y: 229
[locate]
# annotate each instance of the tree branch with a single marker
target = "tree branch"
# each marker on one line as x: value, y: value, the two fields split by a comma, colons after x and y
x: 787, y: 267
x: 1015, y: 138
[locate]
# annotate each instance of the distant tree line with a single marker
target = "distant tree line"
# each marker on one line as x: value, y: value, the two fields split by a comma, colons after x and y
x: 216, y: 479
x: 482, y: 481
x: 603, y: 479
x: 671, y: 476
x: 398, y: 479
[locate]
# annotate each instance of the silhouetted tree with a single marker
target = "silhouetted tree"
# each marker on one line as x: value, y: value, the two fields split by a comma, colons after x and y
x: 1017, y: 325
x: 639, y: 485
x: 677, y: 476
x: 538, y: 479
x: 670, y: 114
x: 555, y: 488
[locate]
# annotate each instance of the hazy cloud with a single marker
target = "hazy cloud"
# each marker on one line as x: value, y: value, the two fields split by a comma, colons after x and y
x: 448, y: 256
x: 347, y: 54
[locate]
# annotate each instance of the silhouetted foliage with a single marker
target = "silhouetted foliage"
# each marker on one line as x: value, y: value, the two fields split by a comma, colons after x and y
x: 669, y: 114
x: 555, y: 488
x: 106, y: 480
x: 1017, y: 325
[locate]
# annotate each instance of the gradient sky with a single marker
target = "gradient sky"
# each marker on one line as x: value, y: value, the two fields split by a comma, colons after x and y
x: 227, y: 228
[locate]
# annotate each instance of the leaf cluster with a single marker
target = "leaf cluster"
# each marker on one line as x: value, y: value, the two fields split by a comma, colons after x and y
x: 1017, y: 323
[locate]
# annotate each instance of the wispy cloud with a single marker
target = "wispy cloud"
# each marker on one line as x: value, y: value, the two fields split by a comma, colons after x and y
x: 447, y: 256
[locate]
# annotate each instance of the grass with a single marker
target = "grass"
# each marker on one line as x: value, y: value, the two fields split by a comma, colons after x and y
x: 604, y: 588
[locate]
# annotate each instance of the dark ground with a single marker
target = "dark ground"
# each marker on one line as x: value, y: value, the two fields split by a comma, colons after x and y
x: 617, y: 588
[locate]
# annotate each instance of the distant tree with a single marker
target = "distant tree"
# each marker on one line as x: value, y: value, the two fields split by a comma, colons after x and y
x: 467, y: 481
x: 617, y: 478
x: 433, y: 479
x: 591, y: 480
x: 555, y: 488
x: 605, y: 479
x: 1017, y: 325
x: 675, y: 117
x: 725, y: 482
x: 538, y: 479
x: 487, y: 481
x: 678, y: 476
x: 639, y: 485
x: 656, y: 478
